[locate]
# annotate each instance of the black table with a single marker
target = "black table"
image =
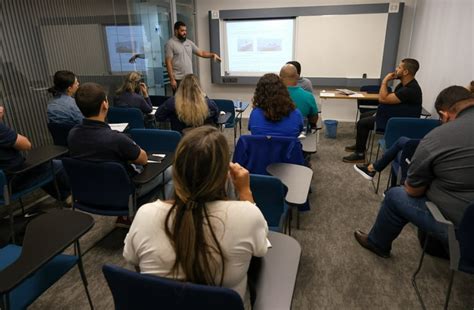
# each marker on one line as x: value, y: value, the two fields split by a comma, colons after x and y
x: 223, y: 118
x: 276, y: 277
x: 152, y: 170
x: 240, y: 107
x: 45, y: 237
x: 39, y: 156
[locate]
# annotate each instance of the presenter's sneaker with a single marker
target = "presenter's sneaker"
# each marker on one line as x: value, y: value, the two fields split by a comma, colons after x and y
x: 354, y: 158
x: 350, y: 148
x: 363, y: 240
x: 363, y: 170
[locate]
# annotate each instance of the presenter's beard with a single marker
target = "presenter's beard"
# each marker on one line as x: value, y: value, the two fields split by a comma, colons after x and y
x: 182, y: 38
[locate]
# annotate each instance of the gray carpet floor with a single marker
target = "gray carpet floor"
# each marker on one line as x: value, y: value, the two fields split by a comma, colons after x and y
x: 334, y: 273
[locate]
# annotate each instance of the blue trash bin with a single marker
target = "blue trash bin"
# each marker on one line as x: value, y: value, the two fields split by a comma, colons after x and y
x: 331, y: 128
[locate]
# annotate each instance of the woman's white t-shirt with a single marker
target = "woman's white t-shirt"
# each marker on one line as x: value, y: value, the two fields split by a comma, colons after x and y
x: 239, y: 226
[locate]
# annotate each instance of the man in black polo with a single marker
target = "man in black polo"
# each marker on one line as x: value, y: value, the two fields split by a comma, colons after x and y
x: 94, y: 140
x: 408, y: 92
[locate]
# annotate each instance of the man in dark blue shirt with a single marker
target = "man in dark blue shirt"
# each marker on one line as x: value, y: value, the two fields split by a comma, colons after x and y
x: 94, y: 140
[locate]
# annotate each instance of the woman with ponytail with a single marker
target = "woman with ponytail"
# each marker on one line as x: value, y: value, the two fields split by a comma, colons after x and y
x: 189, y: 108
x: 62, y: 108
x: 201, y: 236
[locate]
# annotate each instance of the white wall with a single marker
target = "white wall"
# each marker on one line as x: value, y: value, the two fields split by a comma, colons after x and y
x: 246, y: 92
x: 443, y: 42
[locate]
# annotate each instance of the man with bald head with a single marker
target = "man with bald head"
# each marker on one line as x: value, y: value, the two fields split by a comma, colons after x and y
x: 303, y: 100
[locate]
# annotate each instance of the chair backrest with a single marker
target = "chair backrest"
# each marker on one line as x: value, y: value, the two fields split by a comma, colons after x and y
x: 4, y: 189
x: 59, y: 132
x: 227, y: 105
x: 371, y: 89
x: 99, y: 187
x: 156, y: 140
x: 256, y: 152
x: 157, y: 100
x: 407, y: 153
x: 132, y: 116
x: 387, y: 111
x: 413, y: 128
x: 465, y: 235
x: 132, y: 290
x: 269, y: 194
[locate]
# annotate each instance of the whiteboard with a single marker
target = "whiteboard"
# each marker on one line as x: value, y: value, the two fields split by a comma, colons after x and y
x: 341, y: 45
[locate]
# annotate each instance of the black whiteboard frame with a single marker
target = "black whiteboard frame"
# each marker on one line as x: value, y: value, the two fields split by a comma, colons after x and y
x: 392, y: 36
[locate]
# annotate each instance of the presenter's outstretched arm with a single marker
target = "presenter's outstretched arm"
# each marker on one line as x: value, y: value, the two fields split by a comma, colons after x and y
x: 206, y: 54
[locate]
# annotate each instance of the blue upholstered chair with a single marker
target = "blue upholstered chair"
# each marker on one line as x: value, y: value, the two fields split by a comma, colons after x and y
x: 367, y: 105
x: 156, y: 140
x: 7, y: 196
x: 157, y: 100
x: 59, y: 132
x: 410, y: 127
x: 269, y: 195
x: 461, y: 246
x: 255, y: 152
x: 227, y: 106
x: 102, y: 188
x: 132, y: 290
x: 401, y: 163
x: 132, y: 116
x: 27, y: 271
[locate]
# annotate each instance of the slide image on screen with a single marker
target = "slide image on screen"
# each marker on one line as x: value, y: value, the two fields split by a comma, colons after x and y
x: 255, y: 47
x: 122, y: 43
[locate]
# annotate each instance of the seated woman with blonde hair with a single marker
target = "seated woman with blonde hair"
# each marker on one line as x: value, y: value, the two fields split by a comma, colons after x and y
x: 274, y: 113
x: 201, y: 236
x: 189, y: 108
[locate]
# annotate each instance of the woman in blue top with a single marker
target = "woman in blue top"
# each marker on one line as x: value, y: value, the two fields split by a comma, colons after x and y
x: 62, y: 108
x: 128, y: 95
x: 274, y: 113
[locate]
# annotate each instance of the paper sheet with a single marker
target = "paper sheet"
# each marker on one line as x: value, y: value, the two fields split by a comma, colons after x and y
x: 119, y: 126
x: 325, y: 94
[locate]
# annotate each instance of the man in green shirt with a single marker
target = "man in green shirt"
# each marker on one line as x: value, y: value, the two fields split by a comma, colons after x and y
x: 304, y: 100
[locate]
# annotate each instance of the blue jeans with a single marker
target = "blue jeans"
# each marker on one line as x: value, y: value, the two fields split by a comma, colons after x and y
x: 390, y: 154
x: 398, y: 209
x: 154, y: 183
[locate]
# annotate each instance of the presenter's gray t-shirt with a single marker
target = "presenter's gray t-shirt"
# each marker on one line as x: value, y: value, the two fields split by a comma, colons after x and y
x: 444, y: 162
x: 182, y: 56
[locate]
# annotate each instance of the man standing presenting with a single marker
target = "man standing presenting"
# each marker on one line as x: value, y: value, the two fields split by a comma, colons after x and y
x: 178, y: 55
x: 441, y: 171
x: 408, y: 92
x: 303, y: 100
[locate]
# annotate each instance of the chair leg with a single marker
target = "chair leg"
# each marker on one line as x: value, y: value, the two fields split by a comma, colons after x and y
x: 448, y: 294
x: 378, y: 183
x: 83, y: 275
x: 235, y: 133
x: 290, y: 215
x: 297, y: 218
x: 413, y: 279
x: 5, y: 302
x: 371, y: 144
x: 12, y: 224
x: 22, y: 206
x: 377, y: 154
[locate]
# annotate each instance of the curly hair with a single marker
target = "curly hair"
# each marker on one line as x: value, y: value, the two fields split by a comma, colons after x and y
x: 272, y: 96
